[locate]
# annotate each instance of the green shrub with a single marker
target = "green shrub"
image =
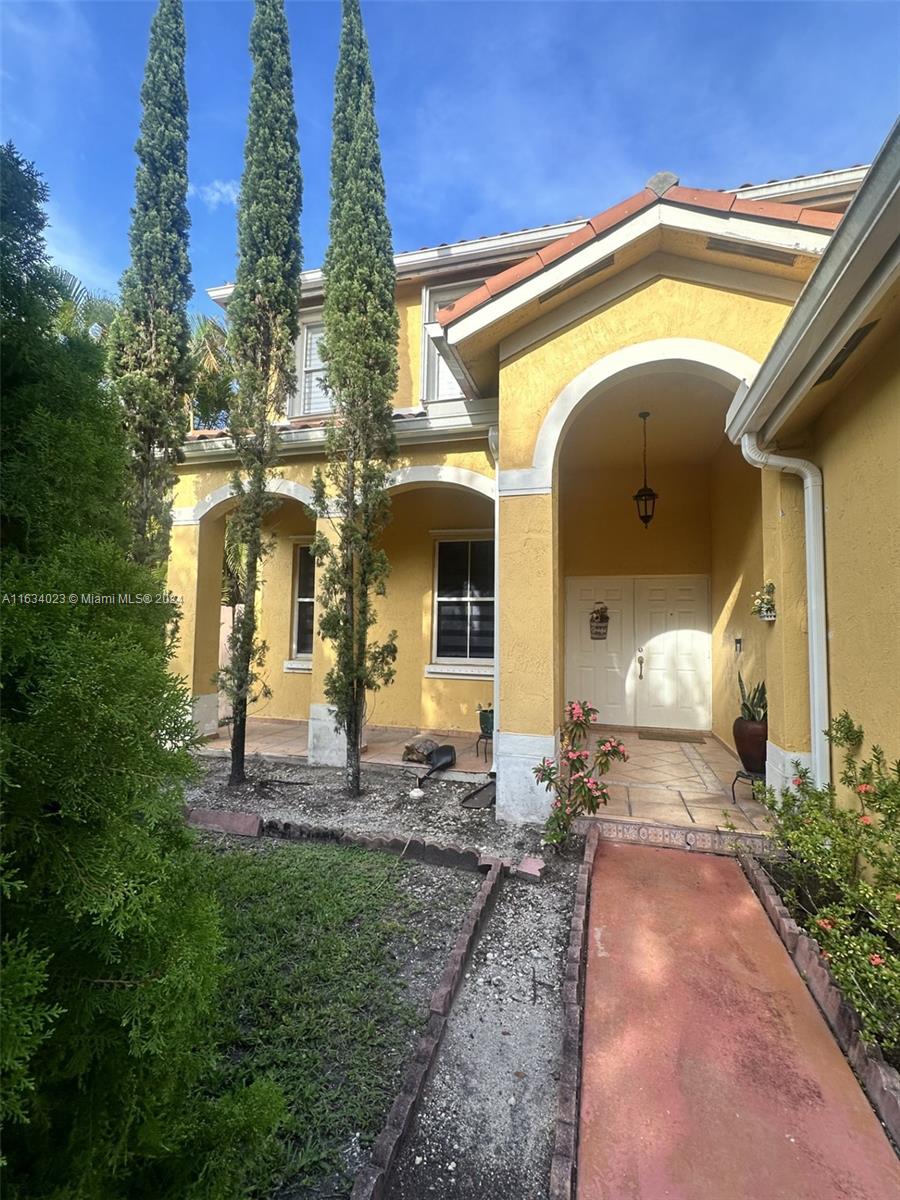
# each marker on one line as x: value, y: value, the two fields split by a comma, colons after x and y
x: 112, y: 952
x: 841, y: 878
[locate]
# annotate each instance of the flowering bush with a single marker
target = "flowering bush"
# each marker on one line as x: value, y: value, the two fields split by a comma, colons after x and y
x: 841, y: 879
x: 574, y: 775
x: 763, y: 602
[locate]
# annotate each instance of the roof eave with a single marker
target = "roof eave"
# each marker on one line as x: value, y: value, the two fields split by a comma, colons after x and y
x: 860, y: 264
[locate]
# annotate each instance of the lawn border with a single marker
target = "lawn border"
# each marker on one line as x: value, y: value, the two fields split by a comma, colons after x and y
x: 879, y: 1081
x: 564, y: 1163
x: 372, y: 1179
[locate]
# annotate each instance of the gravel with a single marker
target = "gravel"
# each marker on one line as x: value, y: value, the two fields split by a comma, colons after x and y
x: 486, y: 1122
x: 290, y: 790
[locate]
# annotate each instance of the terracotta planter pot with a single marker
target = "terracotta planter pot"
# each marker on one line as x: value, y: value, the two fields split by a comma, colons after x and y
x: 750, y: 743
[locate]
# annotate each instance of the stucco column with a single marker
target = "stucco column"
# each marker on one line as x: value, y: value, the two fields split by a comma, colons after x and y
x: 195, y: 577
x: 327, y: 745
x: 787, y: 672
x: 528, y: 662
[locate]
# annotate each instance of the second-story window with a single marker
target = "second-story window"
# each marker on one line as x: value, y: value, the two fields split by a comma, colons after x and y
x: 313, y: 399
x: 439, y: 382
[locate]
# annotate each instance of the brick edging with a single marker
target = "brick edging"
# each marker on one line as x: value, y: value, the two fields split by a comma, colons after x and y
x: 245, y: 824
x: 372, y: 1179
x: 879, y: 1081
x: 564, y: 1163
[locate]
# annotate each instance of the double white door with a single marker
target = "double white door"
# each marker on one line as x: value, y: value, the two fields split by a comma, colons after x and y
x: 653, y: 668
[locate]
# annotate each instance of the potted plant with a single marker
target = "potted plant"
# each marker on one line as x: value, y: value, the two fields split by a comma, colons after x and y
x: 486, y: 719
x: 751, y: 728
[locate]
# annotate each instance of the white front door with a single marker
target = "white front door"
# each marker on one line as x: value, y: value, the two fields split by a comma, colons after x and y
x: 663, y: 621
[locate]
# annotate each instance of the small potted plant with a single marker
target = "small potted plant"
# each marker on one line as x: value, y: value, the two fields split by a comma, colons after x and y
x: 751, y: 728
x: 486, y: 719
x: 763, y: 602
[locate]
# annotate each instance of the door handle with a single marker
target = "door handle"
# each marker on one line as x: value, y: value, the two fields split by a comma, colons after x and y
x: 640, y: 666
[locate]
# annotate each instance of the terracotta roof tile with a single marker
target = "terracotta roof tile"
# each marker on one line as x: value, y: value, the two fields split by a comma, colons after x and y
x: 771, y: 210
x: 620, y: 212
x: 816, y: 219
x: 723, y: 202
x: 699, y: 198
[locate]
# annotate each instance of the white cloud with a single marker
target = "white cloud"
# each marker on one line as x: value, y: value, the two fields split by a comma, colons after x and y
x: 69, y: 249
x: 220, y: 191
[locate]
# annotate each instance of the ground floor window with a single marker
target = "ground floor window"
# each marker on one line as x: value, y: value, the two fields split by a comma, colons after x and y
x: 464, y: 600
x: 304, y: 600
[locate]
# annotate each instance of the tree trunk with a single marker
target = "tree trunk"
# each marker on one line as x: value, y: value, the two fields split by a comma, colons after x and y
x: 242, y: 662
x: 238, y: 742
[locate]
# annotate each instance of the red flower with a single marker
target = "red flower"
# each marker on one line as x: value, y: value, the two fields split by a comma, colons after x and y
x: 876, y: 960
x: 864, y: 788
x: 825, y: 923
x: 865, y: 819
x: 797, y: 781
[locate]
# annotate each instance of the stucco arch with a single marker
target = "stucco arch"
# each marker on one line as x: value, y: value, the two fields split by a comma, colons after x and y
x: 711, y: 360
x: 278, y: 487
x: 447, y: 475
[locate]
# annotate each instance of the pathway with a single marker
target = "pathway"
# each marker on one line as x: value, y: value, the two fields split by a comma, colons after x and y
x: 709, y: 1073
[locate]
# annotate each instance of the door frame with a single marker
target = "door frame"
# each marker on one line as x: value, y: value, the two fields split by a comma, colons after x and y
x: 618, y: 577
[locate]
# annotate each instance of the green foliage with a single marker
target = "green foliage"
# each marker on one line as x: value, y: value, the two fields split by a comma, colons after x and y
x: 80, y: 310
x: 149, y: 358
x: 360, y: 352
x: 111, y: 946
x: 841, y: 878
x: 574, y: 776
x: 754, y: 705
x: 263, y: 315
x: 214, y: 373
x: 313, y: 1002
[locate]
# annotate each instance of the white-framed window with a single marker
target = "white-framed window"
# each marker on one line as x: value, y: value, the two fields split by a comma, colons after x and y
x: 464, y: 601
x: 311, y: 399
x: 438, y: 382
x: 304, y: 602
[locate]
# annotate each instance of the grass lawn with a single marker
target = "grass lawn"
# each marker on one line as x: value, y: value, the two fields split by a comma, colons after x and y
x: 313, y: 1000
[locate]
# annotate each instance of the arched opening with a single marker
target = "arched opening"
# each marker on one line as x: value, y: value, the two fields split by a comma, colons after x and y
x: 676, y: 592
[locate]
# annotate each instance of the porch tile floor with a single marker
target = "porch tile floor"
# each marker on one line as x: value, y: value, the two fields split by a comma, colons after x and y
x: 681, y: 783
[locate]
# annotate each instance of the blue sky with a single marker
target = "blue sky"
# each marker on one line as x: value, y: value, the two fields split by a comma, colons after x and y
x: 494, y: 116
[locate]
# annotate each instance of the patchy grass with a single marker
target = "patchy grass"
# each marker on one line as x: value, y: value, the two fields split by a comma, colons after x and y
x: 313, y: 1000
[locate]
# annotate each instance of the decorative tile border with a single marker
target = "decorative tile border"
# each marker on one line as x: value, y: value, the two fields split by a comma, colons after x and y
x: 677, y: 837
x: 564, y: 1163
x: 880, y: 1082
x: 372, y: 1179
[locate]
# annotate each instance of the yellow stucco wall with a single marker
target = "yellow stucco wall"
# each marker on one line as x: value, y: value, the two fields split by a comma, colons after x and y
x: 409, y: 346
x: 601, y: 535
x: 736, y: 572
x: 531, y: 380
x: 856, y: 442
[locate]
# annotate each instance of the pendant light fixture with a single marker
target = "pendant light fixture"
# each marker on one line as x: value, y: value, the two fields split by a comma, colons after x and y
x: 645, y: 498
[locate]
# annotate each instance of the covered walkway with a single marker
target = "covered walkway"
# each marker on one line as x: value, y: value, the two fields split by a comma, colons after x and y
x: 708, y: 1071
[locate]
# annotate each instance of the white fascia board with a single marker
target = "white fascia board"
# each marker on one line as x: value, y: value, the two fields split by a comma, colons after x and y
x: 654, y: 266
x: 741, y: 230
x: 804, y: 187
x: 435, y: 333
x: 453, y: 255
x: 861, y: 263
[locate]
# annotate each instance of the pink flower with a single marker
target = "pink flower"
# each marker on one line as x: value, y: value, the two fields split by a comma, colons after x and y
x: 864, y: 788
x: 825, y: 923
x: 865, y: 819
x: 797, y: 781
x: 876, y: 960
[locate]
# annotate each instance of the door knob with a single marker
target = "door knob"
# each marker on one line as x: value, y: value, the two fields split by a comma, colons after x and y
x: 640, y: 666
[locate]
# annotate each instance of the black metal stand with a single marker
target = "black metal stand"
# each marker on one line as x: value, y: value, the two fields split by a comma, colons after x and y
x: 751, y: 777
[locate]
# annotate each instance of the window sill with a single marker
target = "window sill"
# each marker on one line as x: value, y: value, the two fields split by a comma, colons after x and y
x: 464, y: 670
x: 297, y: 666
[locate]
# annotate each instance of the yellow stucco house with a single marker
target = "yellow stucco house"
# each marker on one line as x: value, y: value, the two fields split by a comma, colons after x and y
x: 758, y: 328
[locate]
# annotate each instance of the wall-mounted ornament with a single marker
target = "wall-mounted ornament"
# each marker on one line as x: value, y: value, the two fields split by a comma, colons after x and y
x: 599, y: 623
x: 763, y: 602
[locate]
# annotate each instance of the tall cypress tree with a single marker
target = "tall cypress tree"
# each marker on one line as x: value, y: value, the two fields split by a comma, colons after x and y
x: 263, y: 312
x: 360, y: 350
x: 149, y: 359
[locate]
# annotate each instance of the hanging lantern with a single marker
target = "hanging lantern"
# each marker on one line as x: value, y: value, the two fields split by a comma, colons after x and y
x: 645, y: 498
x: 599, y: 623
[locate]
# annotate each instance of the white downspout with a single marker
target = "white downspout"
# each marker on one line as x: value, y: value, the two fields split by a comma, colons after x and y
x: 494, y: 448
x: 817, y: 635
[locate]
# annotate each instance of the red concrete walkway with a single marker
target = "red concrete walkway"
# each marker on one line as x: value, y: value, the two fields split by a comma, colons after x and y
x: 709, y: 1073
